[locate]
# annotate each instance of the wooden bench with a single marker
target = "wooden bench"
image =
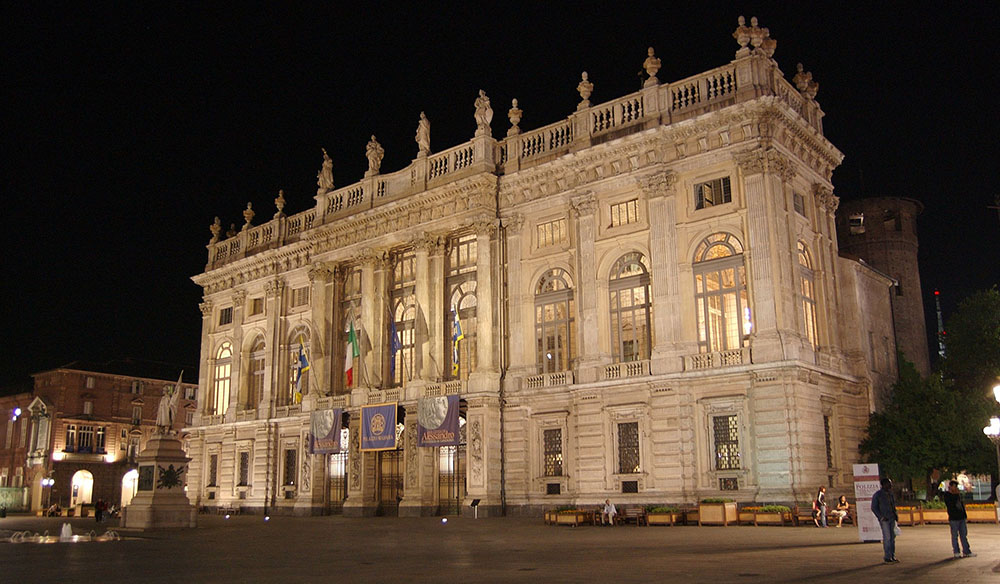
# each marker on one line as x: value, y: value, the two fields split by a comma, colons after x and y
x: 803, y: 515
x: 633, y: 514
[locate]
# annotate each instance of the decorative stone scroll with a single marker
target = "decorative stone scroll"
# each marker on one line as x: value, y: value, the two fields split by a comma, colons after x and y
x: 205, y: 308
x: 514, y: 223
x: 760, y: 160
x: 319, y: 271
x: 585, y: 204
x: 239, y: 298
x: 826, y: 198
x: 476, y: 452
x: 658, y: 185
x: 274, y: 288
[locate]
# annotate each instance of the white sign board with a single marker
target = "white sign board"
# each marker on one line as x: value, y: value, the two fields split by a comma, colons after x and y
x: 866, y: 483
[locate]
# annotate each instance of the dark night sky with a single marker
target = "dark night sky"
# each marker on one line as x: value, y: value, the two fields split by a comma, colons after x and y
x: 127, y: 131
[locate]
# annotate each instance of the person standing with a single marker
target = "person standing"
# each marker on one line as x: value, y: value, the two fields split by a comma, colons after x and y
x: 958, y: 520
x: 821, y: 506
x: 884, y: 509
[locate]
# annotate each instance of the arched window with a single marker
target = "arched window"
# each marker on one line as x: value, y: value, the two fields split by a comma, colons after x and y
x: 403, y: 304
x: 222, y: 379
x: 807, y: 290
x: 554, y: 324
x: 721, y: 294
x: 299, y: 362
x: 628, y: 287
x: 255, y: 374
x: 461, y: 290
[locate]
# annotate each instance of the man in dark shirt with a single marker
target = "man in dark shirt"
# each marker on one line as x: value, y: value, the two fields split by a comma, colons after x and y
x: 958, y: 520
x: 884, y: 509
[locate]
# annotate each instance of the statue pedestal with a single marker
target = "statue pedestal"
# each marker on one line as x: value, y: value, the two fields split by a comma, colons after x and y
x: 160, y: 501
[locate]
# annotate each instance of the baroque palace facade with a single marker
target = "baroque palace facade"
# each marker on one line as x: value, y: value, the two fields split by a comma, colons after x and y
x: 652, y: 301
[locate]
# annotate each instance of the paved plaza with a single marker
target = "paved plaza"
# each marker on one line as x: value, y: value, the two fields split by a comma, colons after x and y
x: 327, y: 549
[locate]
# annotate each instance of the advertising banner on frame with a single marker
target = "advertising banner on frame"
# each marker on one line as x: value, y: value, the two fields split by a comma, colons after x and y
x: 324, y: 431
x: 437, y: 421
x: 866, y: 482
x: 378, y: 427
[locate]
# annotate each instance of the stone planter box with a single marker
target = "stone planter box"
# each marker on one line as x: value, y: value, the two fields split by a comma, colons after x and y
x: 982, y: 515
x: 908, y: 515
x: 575, y: 518
x: 772, y: 518
x: 664, y: 518
x: 717, y: 514
x: 934, y: 515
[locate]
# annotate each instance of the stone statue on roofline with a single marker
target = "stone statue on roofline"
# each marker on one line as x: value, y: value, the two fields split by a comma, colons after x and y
x: 248, y: 217
x: 324, y: 178
x: 423, y: 136
x: 742, y: 36
x: 216, y: 229
x: 484, y: 114
x: 652, y: 66
x: 375, y: 153
x: 586, y: 88
x: 803, y: 81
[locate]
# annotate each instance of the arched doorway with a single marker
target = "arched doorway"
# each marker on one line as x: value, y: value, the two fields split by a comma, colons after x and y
x: 81, y: 488
x: 451, y: 472
x: 130, y: 486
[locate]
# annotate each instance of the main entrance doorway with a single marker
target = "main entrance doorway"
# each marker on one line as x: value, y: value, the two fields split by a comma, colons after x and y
x: 82, y: 488
x: 130, y: 486
x: 390, y: 481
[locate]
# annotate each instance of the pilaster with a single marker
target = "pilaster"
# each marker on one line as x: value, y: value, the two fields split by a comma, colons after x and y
x: 361, y: 475
x: 320, y: 377
x: 419, y: 485
x: 483, y: 455
x: 584, y: 208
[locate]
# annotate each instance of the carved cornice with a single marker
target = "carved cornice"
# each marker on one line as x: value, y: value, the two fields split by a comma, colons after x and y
x: 825, y: 198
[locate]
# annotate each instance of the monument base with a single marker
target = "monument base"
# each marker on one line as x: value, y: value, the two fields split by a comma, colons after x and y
x: 160, y: 501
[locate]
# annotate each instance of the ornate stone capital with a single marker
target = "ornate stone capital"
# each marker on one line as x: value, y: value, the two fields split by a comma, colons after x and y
x: 367, y: 257
x: 484, y: 226
x: 205, y: 308
x: 826, y: 198
x: 585, y: 204
x: 781, y: 165
x: 425, y: 244
x: 514, y: 223
x: 239, y: 297
x: 751, y: 161
x: 274, y: 288
x: 319, y: 271
x: 659, y: 184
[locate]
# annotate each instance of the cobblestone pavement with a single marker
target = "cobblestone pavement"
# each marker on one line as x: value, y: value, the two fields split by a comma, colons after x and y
x: 324, y: 549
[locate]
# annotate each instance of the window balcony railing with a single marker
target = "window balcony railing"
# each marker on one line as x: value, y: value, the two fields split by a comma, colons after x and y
x: 626, y: 369
x: 728, y: 358
x: 548, y: 379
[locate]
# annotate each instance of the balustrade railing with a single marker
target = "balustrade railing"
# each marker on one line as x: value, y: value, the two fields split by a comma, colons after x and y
x: 728, y: 358
x: 626, y: 369
x: 548, y: 379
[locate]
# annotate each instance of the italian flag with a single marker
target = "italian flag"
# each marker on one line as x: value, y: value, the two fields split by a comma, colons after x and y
x: 352, y: 352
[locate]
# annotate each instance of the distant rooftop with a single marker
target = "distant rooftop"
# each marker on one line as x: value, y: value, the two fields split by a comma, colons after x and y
x: 131, y: 367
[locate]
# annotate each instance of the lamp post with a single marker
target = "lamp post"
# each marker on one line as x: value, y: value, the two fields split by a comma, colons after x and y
x: 993, y: 433
x: 48, y: 482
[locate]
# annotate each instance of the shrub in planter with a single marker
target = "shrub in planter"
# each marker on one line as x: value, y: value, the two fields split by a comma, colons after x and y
x: 662, y: 515
x: 982, y: 513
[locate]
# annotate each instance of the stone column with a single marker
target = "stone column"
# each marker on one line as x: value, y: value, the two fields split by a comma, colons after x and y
x: 337, y: 324
x: 320, y: 276
x: 274, y: 294
x: 668, y: 337
x: 422, y: 365
x: 781, y: 172
x: 207, y: 360
x: 486, y: 376
x: 360, y: 475
x: 483, y: 455
x: 420, y: 470
x: 237, y: 376
x: 828, y: 301
x: 761, y: 274
x: 437, y: 319
x: 520, y: 301
x: 372, y: 309
x: 588, y: 349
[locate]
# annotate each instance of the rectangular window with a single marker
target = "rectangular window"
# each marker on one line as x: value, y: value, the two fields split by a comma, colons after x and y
x: 856, y: 223
x: 625, y: 213
x: 829, y: 441
x: 725, y: 429
x: 799, y: 203
x: 86, y: 438
x: 136, y: 387
x: 713, y: 192
x: 553, y: 452
x: 551, y: 232
x: 300, y: 296
x: 10, y: 434
x: 90, y: 382
x: 70, y: 439
x: 188, y: 418
x: 290, y: 468
x: 133, y: 447
x: 123, y: 441
x: 88, y: 408
x: 191, y: 392
x: 256, y: 306
x: 226, y: 316
x: 213, y: 470
x: 244, y: 468
x: 729, y: 484
x: 628, y: 447
x: 136, y: 415
x: 101, y: 440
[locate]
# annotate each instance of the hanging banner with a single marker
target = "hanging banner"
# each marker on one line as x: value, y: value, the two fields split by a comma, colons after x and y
x: 866, y: 482
x: 378, y: 427
x: 324, y: 431
x: 437, y: 421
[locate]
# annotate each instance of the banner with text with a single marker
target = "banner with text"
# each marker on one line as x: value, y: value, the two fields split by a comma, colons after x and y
x: 378, y: 427
x: 866, y: 482
x: 324, y: 431
x: 437, y: 421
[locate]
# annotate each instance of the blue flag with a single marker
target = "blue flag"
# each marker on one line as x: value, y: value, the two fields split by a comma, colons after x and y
x: 456, y: 336
x: 394, y: 347
x: 303, y: 366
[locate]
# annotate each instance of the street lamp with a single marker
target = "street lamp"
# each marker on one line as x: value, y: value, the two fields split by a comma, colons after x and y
x: 993, y: 433
x: 48, y: 482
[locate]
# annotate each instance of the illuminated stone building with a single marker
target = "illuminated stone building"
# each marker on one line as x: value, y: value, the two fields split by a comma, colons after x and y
x: 14, y: 426
x: 651, y: 294
x: 89, y: 420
